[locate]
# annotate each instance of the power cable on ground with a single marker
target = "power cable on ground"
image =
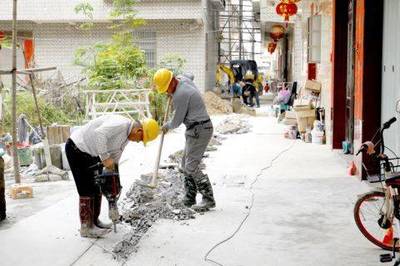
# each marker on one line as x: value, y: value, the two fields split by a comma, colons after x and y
x: 206, y: 257
x: 93, y: 243
x: 83, y: 253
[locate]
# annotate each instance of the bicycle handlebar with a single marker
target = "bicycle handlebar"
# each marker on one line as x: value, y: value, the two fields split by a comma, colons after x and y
x: 363, y: 147
x: 385, y: 126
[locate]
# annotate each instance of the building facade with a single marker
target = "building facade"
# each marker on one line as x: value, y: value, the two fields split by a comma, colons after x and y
x: 307, y: 43
x: 184, y: 27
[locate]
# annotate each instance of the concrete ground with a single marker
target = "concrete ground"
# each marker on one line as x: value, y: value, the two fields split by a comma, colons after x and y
x: 279, y: 202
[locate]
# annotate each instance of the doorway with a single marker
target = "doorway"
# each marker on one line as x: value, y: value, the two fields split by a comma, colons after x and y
x: 350, y: 78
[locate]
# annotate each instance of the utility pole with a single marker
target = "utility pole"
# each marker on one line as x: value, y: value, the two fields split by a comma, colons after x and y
x: 2, y: 192
x: 14, y: 93
x: 240, y: 29
x: 230, y: 7
x: 253, y: 43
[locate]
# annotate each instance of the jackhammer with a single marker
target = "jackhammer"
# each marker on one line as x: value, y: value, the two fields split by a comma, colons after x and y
x: 110, y: 186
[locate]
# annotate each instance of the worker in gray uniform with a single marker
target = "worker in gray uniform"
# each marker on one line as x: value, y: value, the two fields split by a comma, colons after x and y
x: 190, y: 110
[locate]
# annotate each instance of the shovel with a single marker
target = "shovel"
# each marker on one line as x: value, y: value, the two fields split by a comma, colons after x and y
x: 153, y: 182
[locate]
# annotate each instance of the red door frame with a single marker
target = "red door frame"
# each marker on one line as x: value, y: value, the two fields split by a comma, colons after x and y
x: 367, y: 76
x: 339, y: 72
x: 368, y: 72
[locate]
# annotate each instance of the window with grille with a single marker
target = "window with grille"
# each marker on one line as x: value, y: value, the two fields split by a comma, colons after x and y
x: 146, y: 40
x: 314, y: 39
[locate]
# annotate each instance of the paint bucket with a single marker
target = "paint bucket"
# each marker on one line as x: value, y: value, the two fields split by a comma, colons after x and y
x: 317, y: 137
x: 24, y: 156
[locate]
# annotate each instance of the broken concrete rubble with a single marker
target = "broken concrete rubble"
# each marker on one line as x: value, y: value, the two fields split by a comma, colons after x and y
x: 51, y: 173
x: 234, y: 125
x: 143, y: 206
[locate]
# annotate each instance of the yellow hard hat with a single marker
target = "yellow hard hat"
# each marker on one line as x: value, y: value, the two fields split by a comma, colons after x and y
x: 151, y: 129
x: 162, y: 78
x: 249, y: 75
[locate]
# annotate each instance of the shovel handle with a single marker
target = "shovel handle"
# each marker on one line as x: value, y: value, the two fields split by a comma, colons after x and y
x: 157, y: 165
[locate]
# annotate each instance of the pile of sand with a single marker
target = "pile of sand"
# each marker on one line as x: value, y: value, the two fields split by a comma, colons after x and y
x: 216, y: 105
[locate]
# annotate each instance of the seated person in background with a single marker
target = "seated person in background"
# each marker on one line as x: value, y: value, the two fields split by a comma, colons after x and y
x: 236, y: 89
x: 283, y: 96
x: 259, y: 89
x: 249, y: 90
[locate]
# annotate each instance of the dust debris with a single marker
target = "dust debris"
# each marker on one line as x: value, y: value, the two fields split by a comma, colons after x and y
x: 143, y: 206
x: 234, y: 125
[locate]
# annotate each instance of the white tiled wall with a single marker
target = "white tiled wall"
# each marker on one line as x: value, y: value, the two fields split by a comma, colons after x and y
x: 62, y: 10
x: 56, y: 44
x: 324, y: 71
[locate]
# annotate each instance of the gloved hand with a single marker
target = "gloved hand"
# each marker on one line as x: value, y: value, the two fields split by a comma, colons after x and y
x: 165, y: 128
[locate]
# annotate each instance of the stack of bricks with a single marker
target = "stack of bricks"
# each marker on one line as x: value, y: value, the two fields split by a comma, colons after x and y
x: 21, y: 191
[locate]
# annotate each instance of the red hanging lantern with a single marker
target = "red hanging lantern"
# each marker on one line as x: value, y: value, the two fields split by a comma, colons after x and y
x: 286, y: 10
x: 271, y: 47
x: 277, y: 32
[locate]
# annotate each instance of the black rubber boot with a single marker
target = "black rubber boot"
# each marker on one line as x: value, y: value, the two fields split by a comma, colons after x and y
x: 205, y: 189
x: 191, y: 192
x: 96, y: 213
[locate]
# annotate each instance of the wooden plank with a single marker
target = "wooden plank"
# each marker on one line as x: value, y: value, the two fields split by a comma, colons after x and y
x: 58, y: 134
x: 66, y: 132
x: 52, y: 135
x: 134, y: 91
x: 2, y: 191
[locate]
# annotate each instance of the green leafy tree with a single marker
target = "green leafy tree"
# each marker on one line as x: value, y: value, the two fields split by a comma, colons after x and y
x: 173, y: 62
x: 119, y: 63
x: 86, y: 9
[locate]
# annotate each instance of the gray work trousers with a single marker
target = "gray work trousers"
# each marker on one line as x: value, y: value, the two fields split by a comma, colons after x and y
x: 197, y: 140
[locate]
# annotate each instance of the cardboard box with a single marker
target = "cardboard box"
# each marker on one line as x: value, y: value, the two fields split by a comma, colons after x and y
x: 313, y: 86
x: 290, y: 115
x: 301, y: 107
x: 305, y: 119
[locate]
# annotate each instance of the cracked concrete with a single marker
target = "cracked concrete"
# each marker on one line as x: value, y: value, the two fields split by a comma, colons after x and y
x: 302, y: 213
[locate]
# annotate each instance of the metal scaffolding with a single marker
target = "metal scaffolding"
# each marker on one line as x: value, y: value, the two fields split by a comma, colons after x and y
x: 238, y: 30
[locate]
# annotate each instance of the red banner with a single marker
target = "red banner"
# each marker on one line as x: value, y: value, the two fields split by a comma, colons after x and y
x: 29, y: 51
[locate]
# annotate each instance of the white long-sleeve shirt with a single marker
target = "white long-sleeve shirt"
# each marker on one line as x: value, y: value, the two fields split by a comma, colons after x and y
x: 105, y: 136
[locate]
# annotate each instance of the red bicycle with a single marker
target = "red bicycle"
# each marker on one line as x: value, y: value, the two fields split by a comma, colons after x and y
x: 377, y: 213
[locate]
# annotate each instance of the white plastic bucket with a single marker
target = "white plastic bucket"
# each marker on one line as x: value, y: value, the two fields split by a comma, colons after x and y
x: 317, y: 137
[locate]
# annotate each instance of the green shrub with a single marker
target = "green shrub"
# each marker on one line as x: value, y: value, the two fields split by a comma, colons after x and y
x: 26, y: 105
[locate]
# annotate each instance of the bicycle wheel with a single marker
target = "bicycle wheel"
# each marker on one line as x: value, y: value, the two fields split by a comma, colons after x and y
x: 366, y: 215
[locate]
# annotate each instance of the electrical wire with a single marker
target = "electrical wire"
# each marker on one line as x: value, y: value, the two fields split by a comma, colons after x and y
x: 94, y: 243
x: 207, y: 255
x: 83, y: 253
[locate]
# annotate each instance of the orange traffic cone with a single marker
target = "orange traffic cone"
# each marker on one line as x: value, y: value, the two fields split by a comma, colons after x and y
x: 352, y: 170
x: 388, y: 238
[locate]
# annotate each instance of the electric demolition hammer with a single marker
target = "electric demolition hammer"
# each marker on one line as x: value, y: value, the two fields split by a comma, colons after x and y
x: 110, y: 186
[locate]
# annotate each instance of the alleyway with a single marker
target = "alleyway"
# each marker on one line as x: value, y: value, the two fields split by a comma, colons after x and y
x: 299, y: 212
